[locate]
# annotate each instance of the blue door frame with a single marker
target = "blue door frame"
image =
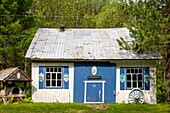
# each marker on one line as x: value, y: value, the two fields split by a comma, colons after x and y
x: 107, y: 72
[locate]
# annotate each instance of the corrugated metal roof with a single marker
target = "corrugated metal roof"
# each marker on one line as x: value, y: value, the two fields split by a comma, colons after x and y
x: 82, y: 44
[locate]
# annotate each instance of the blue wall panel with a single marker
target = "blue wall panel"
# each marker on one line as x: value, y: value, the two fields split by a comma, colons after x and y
x: 106, y: 70
x: 146, y: 78
x: 65, y: 72
x: 41, y: 82
x: 122, y: 78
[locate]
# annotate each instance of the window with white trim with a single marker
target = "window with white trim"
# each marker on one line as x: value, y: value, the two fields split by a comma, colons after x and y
x: 53, y: 77
x: 134, y: 78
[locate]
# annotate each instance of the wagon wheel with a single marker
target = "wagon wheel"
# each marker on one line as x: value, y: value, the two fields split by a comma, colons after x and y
x: 136, y: 96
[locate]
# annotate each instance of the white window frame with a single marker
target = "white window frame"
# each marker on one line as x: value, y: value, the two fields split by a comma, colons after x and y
x: 56, y: 79
x: 131, y: 80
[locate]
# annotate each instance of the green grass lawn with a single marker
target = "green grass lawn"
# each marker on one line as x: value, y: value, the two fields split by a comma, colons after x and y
x: 83, y: 108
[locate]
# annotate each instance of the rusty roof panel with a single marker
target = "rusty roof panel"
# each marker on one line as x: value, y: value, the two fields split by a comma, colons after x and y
x: 80, y: 44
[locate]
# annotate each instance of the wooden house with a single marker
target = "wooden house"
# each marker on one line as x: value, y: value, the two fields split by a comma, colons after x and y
x: 8, y: 79
x: 88, y: 66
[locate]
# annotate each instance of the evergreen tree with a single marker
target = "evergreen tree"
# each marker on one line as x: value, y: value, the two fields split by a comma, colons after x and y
x: 151, y: 30
x: 113, y: 15
x: 15, y: 31
x: 71, y: 13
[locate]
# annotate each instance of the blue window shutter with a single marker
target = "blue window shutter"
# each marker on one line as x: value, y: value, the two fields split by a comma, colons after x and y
x: 146, y: 78
x: 65, y: 75
x: 122, y: 78
x: 41, y: 77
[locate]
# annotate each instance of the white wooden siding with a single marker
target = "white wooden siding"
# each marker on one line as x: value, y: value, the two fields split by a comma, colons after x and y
x: 66, y: 95
x: 51, y: 95
x: 150, y: 95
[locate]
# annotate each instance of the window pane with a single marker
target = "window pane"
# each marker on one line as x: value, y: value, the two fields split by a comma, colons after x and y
x: 53, y: 83
x: 58, y: 83
x: 128, y: 77
x: 128, y: 70
x: 59, y: 69
x: 53, y: 75
x: 136, y: 70
x: 55, y: 69
x: 132, y: 71
x: 129, y: 84
x: 139, y: 76
x: 47, y: 69
x: 134, y: 77
x: 140, y: 84
x: 140, y: 70
x: 51, y: 69
x: 134, y: 84
x: 47, y: 75
x: 58, y: 75
x: 47, y: 83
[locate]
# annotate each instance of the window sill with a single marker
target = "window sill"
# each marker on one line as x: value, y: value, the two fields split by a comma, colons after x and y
x: 134, y: 88
x: 53, y: 87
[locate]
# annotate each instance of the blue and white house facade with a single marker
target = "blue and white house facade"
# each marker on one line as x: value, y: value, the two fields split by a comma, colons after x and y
x: 88, y: 66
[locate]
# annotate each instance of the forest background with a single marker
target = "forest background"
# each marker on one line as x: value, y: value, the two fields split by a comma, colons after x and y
x: 147, y: 20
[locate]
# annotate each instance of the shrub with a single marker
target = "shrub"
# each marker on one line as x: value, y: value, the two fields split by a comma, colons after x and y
x: 28, y: 100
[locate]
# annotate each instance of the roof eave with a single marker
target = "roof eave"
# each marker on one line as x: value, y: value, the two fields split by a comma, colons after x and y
x: 53, y: 59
